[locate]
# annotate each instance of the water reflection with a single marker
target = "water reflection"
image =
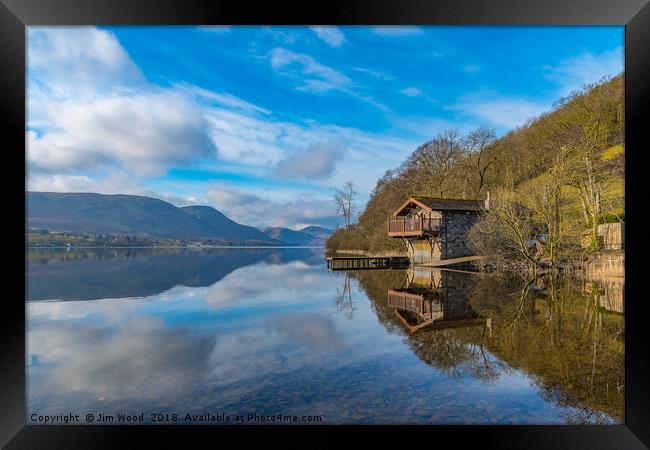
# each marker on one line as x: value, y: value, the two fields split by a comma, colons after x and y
x: 89, y: 274
x: 344, y: 297
x: 140, y: 359
x: 567, y: 334
x: 434, y: 298
x: 272, y: 331
x: 607, y: 292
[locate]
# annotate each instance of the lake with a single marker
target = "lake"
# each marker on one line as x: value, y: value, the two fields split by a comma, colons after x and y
x: 195, y: 335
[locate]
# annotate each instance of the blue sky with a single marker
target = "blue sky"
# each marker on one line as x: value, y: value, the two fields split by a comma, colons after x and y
x: 262, y: 122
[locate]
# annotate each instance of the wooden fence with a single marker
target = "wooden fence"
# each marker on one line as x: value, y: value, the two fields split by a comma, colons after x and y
x: 611, y: 236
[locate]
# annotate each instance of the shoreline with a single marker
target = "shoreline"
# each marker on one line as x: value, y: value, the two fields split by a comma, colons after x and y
x: 605, y: 263
x: 79, y: 247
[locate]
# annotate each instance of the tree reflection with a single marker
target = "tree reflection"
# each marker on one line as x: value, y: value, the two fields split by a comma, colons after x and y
x: 344, y: 300
x: 568, y: 339
x: 573, y: 348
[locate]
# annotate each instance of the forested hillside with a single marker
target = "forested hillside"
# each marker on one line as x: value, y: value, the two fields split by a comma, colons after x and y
x: 564, y: 168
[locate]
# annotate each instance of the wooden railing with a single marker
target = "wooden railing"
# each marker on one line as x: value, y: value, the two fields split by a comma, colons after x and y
x: 406, y: 300
x: 406, y: 227
x: 431, y: 225
x: 412, y: 227
x: 430, y: 309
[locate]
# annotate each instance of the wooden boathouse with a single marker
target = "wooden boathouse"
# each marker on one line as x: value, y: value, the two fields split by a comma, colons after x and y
x: 436, y: 228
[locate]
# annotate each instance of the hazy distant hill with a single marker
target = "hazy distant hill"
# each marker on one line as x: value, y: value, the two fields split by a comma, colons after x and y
x: 318, y: 232
x: 218, y: 222
x: 307, y: 236
x: 134, y: 215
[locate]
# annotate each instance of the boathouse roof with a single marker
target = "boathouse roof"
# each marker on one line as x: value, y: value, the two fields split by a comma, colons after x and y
x: 442, y: 204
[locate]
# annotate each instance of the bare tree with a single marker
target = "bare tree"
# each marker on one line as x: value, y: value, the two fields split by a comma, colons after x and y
x: 476, y: 144
x: 506, y: 230
x: 433, y: 167
x: 344, y: 200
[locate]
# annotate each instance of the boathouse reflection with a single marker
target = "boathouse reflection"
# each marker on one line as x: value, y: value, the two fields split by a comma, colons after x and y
x: 431, y: 300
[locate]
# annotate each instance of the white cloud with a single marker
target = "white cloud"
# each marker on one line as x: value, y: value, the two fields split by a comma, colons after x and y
x: 90, y: 109
x: 221, y: 98
x: 472, y: 68
x: 143, y: 133
x: 286, y: 35
x: 248, y: 139
x: 261, y: 141
x: 499, y: 110
x: 395, y: 30
x: 374, y: 73
x: 572, y: 73
x: 58, y: 151
x: 308, y: 74
x: 365, y: 149
x: 411, y: 92
x: 250, y: 208
x: 317, y: 160
x: 72, y: 60
x: 331, y: 35
x: 61, y: 183
x: 115, y: 182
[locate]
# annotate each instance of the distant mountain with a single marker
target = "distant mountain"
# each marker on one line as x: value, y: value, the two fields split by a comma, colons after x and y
x: 318, y: 232
x: 307, y: 236
x: 291, y: 237
x: 135, y: 215
x: 217, y: 221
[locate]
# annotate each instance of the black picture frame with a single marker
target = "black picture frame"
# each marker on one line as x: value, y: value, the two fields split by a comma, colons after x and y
x: 15, y: 15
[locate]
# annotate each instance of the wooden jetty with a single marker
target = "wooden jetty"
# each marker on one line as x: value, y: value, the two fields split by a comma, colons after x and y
x: 367, y: 262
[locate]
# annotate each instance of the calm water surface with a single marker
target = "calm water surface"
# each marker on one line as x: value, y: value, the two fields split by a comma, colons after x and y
x: 271, y: 331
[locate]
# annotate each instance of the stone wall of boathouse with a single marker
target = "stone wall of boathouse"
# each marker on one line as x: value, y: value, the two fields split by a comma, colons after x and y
x: 454, y: 235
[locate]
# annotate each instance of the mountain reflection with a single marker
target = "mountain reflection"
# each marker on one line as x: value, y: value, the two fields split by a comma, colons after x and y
x: 90, y: 274
x: 568, y: 334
